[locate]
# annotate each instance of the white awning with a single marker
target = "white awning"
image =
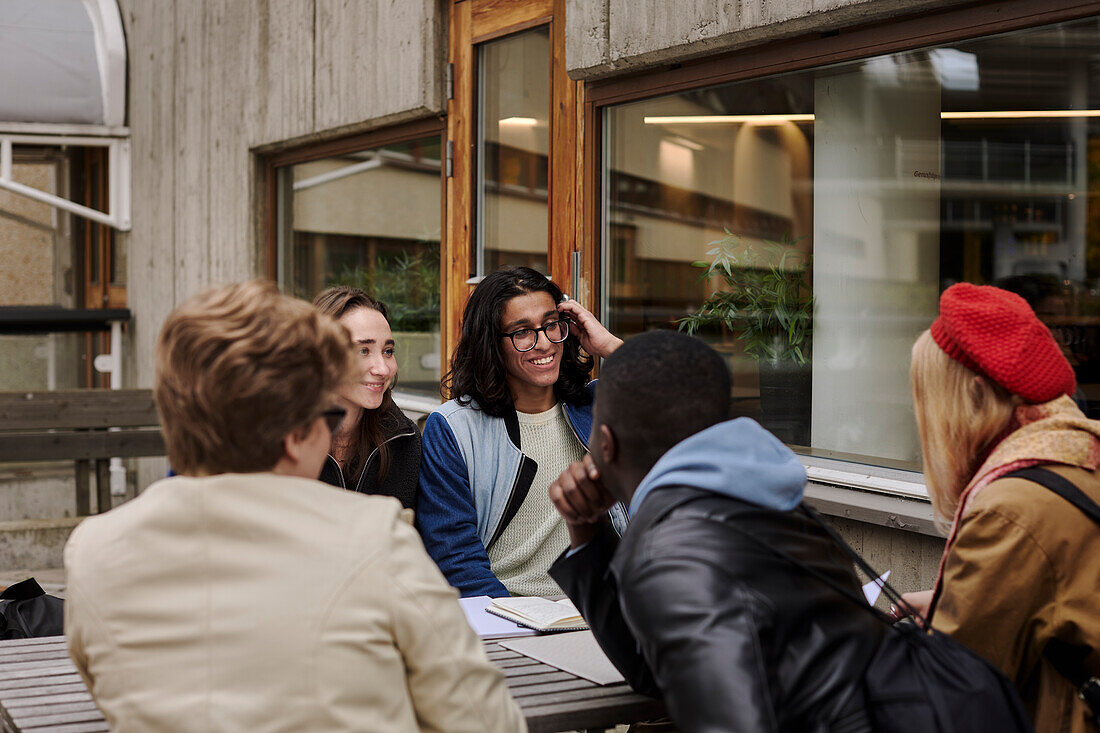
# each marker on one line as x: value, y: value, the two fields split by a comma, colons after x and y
x: 63, y: 83
x: 62, y: 62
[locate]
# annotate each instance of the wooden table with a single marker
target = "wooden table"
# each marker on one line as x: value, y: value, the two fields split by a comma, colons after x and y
x: 41, y: 692
x: 553, y: 700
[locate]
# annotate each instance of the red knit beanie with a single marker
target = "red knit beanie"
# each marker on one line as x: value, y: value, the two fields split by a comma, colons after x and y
x: 995, y: 333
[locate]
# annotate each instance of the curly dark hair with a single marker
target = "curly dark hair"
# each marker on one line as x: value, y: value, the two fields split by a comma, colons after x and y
x: 477, y: 368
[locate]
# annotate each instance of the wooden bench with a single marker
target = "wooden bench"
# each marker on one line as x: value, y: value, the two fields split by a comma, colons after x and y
x: 87, y: 426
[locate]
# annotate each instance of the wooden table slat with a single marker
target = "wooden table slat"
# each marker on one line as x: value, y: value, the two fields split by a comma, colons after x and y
x: 513, y: 663
x: 538, y: 679
x: 39, y: 664
x: 591, y: 713
x: 69, y: 707
x: 58, y: 718
x: 63, y: 677
x: 546, y: 687
x: 44, y: 690
x: 12, y: 705
x: 36, y: 641
x: 581, y: 693
x: 61, y: 666
x: 29, y: 656
x: 502, y: 654
x: 527, y: 671
x: 99, y: 726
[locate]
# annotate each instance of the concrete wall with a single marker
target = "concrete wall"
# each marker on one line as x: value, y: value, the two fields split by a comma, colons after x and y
x: 912, y: 558
x: 212, y: 80
x: 605, y: 37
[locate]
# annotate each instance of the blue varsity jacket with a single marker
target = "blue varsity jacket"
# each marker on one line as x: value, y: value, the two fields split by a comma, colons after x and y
x: 473, y: 479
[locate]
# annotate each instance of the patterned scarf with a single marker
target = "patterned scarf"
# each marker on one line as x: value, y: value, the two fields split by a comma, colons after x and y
x: 1052, y: 432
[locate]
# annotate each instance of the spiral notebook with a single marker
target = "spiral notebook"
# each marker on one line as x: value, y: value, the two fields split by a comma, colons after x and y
x: 540, y: 614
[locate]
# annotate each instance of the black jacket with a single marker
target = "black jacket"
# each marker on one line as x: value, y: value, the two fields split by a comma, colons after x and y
x: 403, y: 440
x: 734, y: 637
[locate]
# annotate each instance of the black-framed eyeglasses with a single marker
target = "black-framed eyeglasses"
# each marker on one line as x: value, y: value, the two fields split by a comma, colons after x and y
x: 525, y: 338
x: 333, y: 417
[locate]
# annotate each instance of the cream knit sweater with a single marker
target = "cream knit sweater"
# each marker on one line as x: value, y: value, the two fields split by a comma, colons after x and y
x: 537, y: 534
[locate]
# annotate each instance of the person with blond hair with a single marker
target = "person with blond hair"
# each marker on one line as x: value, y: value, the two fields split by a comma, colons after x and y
x: 1020, y: 572
x: 242, y: 593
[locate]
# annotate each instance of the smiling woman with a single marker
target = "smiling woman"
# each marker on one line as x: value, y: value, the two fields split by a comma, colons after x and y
x: 376, y: 448
x: 520, y: 411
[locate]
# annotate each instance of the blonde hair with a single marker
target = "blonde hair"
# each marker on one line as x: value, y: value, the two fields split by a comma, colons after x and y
x: 240, y: 367
x: 959, y: 414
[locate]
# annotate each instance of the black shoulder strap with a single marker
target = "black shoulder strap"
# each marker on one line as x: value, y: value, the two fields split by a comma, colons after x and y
x: 1068, y: 659
x: 845, y: 592
x: 1060, y: 486
x: 888, y: 590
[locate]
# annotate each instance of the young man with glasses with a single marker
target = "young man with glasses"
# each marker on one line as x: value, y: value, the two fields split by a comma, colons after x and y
x: 243, y: 594
x: 520, y: 413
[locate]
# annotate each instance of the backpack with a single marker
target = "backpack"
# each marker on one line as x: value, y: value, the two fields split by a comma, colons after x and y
x: 26, y: 611
x: 919, y: 680
x: 1068, y: 659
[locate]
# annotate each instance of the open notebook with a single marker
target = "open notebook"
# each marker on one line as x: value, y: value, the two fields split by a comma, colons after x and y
x: 539, y: 613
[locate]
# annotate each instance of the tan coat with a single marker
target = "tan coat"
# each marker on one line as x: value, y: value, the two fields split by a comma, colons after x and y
x: 1025, y: 568
x: 266, y: 603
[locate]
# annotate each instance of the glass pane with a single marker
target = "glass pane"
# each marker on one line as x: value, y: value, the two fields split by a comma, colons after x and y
x: 513, y: 151
x: 370, y: 219
x: 35, y: 245
x: 118, y: 260
x: 41, y: 361
x: 843, y: 200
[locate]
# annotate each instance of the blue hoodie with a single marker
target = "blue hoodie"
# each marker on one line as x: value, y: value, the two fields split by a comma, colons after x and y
x: 736, y: 458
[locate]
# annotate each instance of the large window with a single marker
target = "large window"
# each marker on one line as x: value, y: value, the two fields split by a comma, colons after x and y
x: 844, y: 200
x: 371, y: 219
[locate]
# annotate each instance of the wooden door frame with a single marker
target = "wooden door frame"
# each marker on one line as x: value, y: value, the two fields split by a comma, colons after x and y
x: 473, y: 22
x: 269, y: 179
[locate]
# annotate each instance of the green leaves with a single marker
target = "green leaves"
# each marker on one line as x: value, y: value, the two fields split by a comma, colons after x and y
x: 406, y: 281
x: 764, y: 297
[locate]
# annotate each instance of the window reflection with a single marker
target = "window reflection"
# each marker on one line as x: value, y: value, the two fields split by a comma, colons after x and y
x: 891, y: 178
x: 370, y: 219
x: 513, y: 151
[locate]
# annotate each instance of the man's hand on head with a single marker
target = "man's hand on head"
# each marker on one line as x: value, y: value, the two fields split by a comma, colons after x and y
x: 581, y: 499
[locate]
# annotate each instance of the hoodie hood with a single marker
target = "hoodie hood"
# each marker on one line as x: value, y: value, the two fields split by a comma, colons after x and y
x: 736, y: 458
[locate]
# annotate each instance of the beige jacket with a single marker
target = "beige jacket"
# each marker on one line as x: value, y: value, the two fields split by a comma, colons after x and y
x: 1025, y: 568
x: 259, y: 602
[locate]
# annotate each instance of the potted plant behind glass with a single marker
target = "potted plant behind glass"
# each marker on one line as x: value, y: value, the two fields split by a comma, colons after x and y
x: 765, y: 300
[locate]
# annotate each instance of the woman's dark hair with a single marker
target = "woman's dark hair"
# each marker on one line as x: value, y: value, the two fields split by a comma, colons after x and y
x: 337, y: 302
x: 477, y: 367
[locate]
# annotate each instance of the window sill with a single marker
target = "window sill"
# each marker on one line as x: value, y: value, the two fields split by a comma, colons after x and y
x: 415, y: 404
x: 881, y: 496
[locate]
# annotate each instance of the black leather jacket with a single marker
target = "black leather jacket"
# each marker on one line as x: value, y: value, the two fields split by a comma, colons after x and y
x: 403, y: 476
x: 688, y: 605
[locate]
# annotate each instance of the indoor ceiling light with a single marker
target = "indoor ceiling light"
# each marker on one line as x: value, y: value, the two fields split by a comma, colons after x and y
x: 519, y: 121
x: 728, y: 119
x: 1020, y: 114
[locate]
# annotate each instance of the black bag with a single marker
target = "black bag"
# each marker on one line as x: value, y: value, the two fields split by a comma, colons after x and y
x: 1068, y: 659
x: 26, y: 611
x: 925, y: 681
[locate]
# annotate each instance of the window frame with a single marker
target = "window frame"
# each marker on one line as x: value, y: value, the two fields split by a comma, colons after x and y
x: 271, y: 162
x: 866, y: 492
